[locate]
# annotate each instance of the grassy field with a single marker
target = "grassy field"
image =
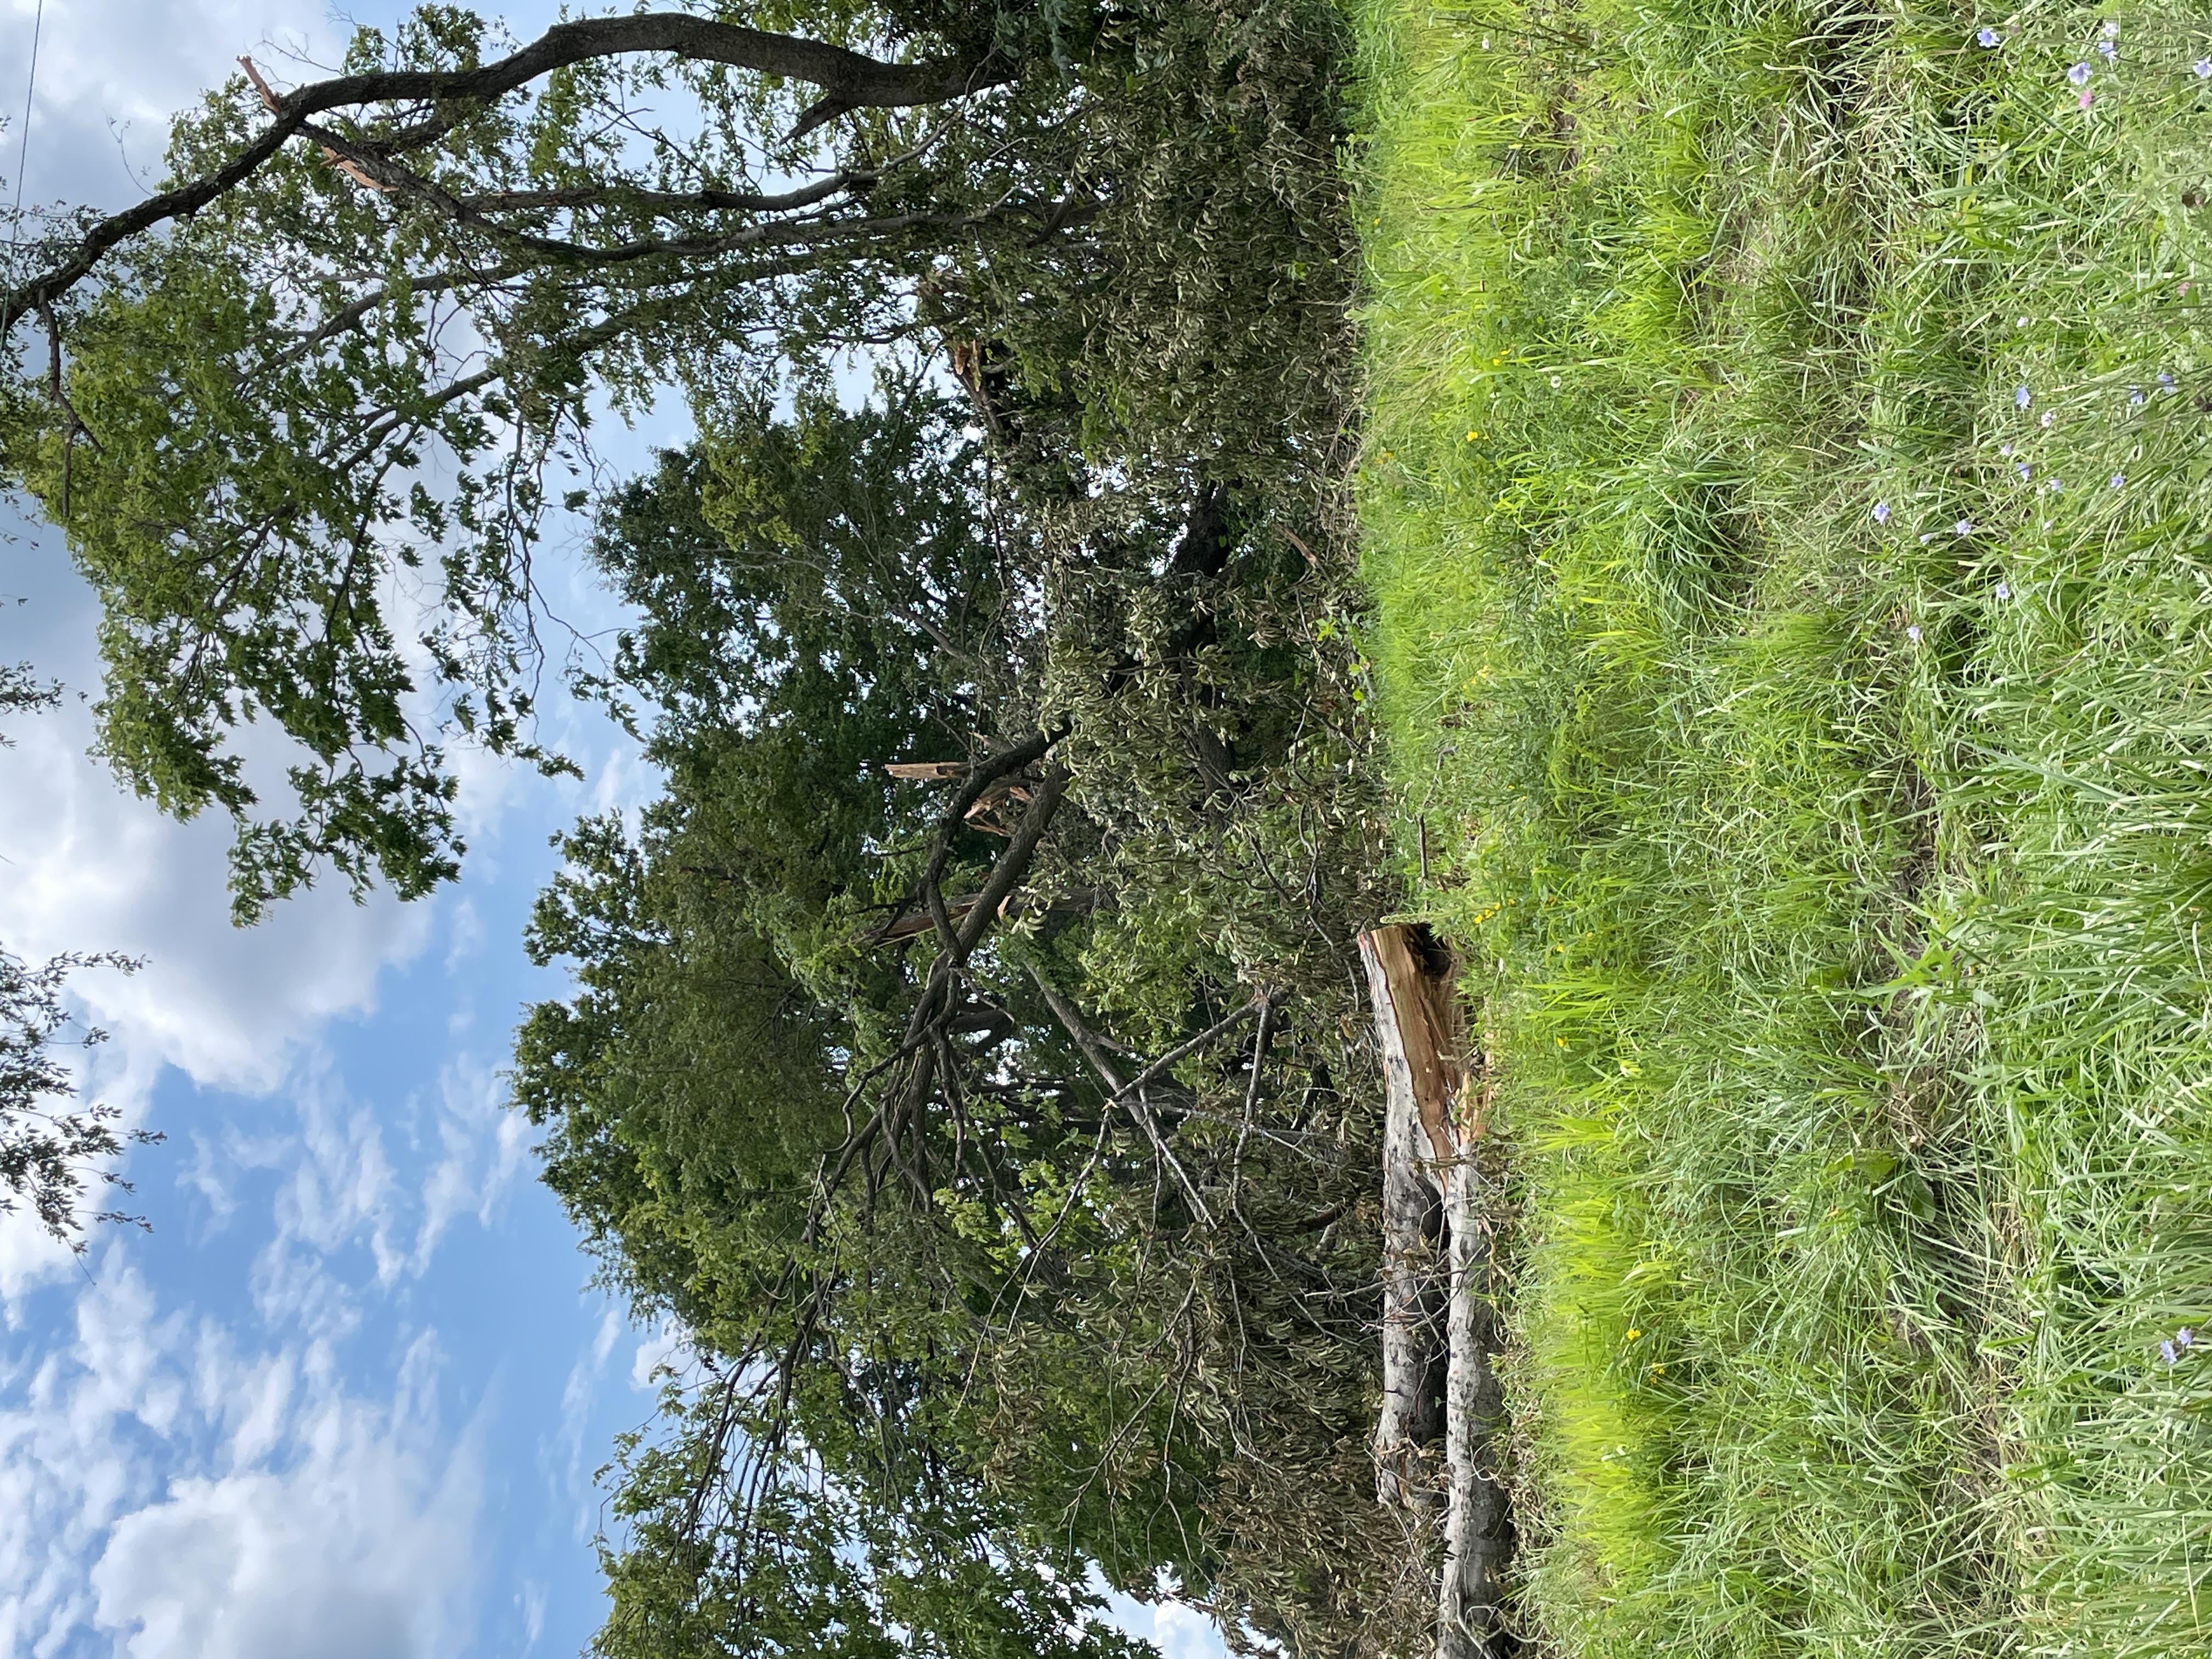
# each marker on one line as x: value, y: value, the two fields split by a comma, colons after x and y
x: 1789, y: 499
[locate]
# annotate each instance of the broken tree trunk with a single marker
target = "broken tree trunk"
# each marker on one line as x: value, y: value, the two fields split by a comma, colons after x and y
x: 1475, y: 1522
x: 1435, y: 1115
x: 1413, y: 1227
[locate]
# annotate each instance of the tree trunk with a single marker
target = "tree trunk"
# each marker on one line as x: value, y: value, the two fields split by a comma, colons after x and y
x: 1475, y: 1525
x: 1412, y: 1410
x: 1437, y: 1258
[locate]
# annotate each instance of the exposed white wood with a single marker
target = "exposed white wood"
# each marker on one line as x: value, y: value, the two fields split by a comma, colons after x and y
x: 1475, y: 1522
x: 1407, y: 1424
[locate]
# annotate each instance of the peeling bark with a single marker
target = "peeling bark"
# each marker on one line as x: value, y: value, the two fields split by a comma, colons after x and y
x: 1413, y: 1222
x: 1436, y: 1259
x: 1476, y: 1531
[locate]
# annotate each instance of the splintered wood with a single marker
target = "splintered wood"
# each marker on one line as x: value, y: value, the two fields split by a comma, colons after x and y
x: 1437, y: 1384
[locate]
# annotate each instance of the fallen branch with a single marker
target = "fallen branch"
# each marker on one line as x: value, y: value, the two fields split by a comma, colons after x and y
x: 1411, y: 1415
x: 1130, y: 1095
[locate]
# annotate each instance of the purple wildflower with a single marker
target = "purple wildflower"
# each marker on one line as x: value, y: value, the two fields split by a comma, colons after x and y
x: 2204, y: 68
x: 1964, y: 526
x: 2135, y: 397
x: 2109, y: 50
x: 2166, y: 380
x: 1986, y: 37
x: 2021, y: 400
x: 2047, y: 418
x: 1881, y: 512
x: 2165, y: 1352
x: 2078, y: 75
x: 2004, y: 449
x: 2004, y: 590
x: 2119, y: 478
x: 1913, y: 633
x: 2022, y: 469
x: 2184, y: 1338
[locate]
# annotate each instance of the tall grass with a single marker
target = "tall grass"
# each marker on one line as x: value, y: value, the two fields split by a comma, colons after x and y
x: 1808, y: 743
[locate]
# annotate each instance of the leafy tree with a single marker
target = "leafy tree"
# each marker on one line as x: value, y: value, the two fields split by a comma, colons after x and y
x: 316, y: 384
x: 978, y: 1287
x: 996, y: 1137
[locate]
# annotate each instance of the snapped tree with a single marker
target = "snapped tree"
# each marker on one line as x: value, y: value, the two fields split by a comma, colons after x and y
x: 991, y: 1130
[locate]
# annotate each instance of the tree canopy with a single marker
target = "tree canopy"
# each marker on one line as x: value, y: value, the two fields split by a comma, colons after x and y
x: 303, y: 410
x: 964, y: 1050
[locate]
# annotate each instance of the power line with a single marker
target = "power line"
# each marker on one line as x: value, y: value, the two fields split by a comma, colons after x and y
x: 23, y: 153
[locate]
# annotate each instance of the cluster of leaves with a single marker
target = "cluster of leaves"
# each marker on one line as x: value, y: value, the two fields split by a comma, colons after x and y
x: 1055, y: 1308
x: 304, y: 410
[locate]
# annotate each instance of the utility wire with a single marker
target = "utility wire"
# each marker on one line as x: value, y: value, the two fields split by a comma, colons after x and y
x: 23, y: 153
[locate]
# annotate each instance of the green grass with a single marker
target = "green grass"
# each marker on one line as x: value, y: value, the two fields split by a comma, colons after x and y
x: 1833, y: 888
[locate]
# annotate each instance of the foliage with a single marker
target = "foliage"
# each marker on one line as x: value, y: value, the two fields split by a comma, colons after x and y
x: 985, y: 1326
x: 302, y: 438
x: 973, y: 1318
x: 45, y: 1153
x: 1784, y: 494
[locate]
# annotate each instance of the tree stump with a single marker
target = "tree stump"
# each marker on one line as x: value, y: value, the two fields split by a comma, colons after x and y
x: 1437, y: 1257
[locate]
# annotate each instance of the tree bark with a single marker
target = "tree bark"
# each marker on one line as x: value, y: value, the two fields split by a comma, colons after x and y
x: 1436, y: 1107
x: 1476, y: 1534
x: 1413, y: 1220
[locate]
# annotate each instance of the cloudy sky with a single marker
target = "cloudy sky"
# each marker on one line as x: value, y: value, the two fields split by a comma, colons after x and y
x: 346, y: 1398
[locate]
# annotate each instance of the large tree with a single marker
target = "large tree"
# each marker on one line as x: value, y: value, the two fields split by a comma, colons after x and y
x: 301, y: 412
x: 976, y: 1102
x: 993, y: 1132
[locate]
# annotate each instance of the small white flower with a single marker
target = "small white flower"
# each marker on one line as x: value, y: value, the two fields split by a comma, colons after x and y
x: 2046, y: 419
x: 1926, y: 537
x: 1913, y: 633
x: 1555, y: 382
x: 1964, y: 526
x: 2110, y: 30
x: 2004, y: 449
x: 2054, y: 485
x: 2023, y: 322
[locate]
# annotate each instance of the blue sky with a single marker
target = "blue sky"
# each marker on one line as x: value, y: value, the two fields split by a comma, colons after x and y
x: 346, y: 1397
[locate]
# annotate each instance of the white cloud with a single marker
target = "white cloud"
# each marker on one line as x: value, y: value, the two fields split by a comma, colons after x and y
x: 1178, y: 1629
x: 90, y: 868
x: 196, y: 1504
x: 578, y: 1395
x: 483, y: 1146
